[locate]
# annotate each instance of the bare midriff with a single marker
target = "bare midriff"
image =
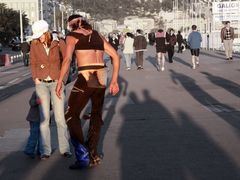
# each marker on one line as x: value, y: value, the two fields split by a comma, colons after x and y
x: 89, y: 57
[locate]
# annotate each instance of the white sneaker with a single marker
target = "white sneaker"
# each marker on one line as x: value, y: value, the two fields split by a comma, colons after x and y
x: 193, y: 67
x: 162, y: 69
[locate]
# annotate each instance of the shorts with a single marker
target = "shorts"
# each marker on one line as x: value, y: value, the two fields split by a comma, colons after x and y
x: 195, y: 52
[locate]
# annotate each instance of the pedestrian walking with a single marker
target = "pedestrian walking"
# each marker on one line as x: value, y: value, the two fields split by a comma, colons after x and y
x: 140, y: 45
x: 194, y: 41
x: 114, y: 41
x: 89, y: 47
x: 160, y: 49
x: 179, y: 41
x: 25, y: 48
x: 45, y: 66
x: 33, y: 117
x: 171, y: 42
x: 227, y: 37
x: 128, y: 49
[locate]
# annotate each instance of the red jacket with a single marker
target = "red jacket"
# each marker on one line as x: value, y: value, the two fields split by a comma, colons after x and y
x: 43, y: 65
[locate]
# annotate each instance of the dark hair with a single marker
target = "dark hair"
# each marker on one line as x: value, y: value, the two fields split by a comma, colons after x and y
x: 227, y: 22
x: 129, y: 35
x: 75, y: 25
x: 139, y: 31
x: 86, y: 25
x: 160, y: 30
x: 179, y: 32
x: 194, y: 27
x: 74, y: 16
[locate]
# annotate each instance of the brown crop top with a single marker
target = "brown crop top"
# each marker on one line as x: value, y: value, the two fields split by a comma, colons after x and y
x: 92, y: 41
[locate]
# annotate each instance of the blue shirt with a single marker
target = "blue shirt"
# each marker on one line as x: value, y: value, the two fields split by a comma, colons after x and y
x: 194, y: 40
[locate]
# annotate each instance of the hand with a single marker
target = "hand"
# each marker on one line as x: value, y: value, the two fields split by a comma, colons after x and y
x: 58, y: 89
x: 37, y: 81
x: 113, y: 88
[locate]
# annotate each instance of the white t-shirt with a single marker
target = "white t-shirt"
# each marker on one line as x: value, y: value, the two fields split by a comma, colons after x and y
x: 128, y: 45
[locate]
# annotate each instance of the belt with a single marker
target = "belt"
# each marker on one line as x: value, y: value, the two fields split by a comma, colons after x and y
x: 46, y: 81
x: 90, y: 67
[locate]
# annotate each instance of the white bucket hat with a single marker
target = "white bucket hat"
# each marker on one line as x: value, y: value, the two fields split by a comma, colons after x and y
x: 38, y: 28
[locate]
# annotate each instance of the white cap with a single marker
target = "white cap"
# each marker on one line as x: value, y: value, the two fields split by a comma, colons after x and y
x: 38, y: 28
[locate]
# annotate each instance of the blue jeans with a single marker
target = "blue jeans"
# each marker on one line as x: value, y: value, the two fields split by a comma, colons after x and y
x: 47, y: 95
x: 33, y: 139
x: 128, y: 58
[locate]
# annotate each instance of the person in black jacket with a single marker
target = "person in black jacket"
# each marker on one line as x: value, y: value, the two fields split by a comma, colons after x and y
x: 25, y: 48
x: 179, y: 41
x: 171, y: 42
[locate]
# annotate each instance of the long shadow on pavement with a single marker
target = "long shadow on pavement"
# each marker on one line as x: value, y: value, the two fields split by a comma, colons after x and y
x: 179, y: 60
x: 220, y: 109
x: 230, y: 86
x: 16, y: 88
x: 156, y: 145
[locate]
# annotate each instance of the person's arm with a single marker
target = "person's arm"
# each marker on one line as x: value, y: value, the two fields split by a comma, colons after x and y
x: 33, y: 61
x: 113, y: 87
x: 62, y: 46
x: 70, y: 45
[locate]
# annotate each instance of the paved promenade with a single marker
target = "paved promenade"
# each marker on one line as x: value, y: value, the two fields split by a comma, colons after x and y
x: 179, y: 124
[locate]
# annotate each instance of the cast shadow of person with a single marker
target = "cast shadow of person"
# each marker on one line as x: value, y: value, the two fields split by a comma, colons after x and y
x: 156, y: 145
x: 153, y: 61
x: 179, y: 60
x: 110, y: 107
x: 207, y: 101
x: 230, y: 86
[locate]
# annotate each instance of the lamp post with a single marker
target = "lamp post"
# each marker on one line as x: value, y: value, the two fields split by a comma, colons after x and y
x: 62, y: 9
x: 54, y: 15
x: 41, y: 8
x: 21, y: 25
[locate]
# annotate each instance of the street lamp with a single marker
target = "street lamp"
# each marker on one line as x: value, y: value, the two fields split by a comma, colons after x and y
x: 62, y: 8
x: 54, y: 14
x: 21, y: 25
x: 41, y: 6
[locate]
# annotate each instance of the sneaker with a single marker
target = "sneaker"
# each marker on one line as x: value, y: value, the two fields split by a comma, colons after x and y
x: 227, y: 59
x: 162, y: 69
x: 128, y: 69
x: 231, y: 58
x: 67, y: 154
x: 44, y: 157
x: 194, y: 67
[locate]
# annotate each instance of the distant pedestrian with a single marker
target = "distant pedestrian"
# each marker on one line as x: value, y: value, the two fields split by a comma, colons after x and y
x: 25, y: 48
x: 160, y: 49
x: 151, y: 38
x: 128, y: 49
x: 140, y: 45
x: 194, y: 41
x: 179, y: 41
x: 45, y: 66
x: 114, y: 41
x: 33, y: 117
x: 171, y: 42
x: 227, y: 37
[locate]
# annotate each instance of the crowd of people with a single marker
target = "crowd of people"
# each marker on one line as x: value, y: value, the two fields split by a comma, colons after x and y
x: 164, y: 43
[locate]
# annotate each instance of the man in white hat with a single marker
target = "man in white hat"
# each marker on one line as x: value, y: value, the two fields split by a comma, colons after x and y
x: 45, y: 66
